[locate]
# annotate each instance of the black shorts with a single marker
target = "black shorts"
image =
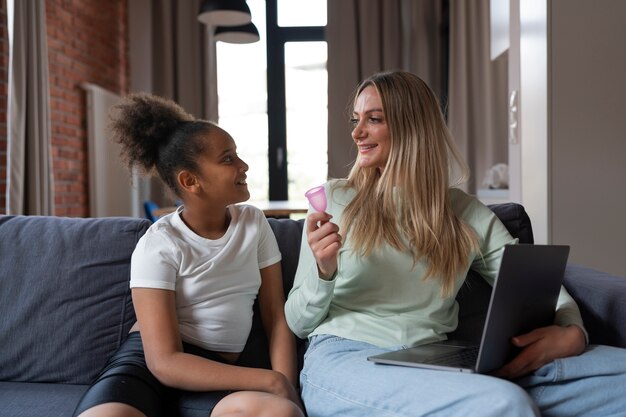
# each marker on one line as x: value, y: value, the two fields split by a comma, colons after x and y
x: 126, y: 379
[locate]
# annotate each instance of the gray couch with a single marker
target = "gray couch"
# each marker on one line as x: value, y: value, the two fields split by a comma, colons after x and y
x: 65, y: 305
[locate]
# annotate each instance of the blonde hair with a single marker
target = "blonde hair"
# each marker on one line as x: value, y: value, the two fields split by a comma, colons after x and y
x: 406, y: 204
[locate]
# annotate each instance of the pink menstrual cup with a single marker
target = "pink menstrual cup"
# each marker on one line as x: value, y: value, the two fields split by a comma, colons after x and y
x: 317, y: 198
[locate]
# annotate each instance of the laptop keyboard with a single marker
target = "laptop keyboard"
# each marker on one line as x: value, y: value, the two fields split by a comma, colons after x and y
x: 465, y: 357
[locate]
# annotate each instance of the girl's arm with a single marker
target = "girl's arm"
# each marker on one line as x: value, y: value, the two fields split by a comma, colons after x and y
x: 156, y: 315
x: 282, y: 347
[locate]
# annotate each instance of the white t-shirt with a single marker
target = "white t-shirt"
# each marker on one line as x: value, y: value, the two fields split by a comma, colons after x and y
x: 216, y: 281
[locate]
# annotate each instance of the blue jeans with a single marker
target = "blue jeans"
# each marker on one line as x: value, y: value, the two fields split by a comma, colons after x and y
x: 337, y: 380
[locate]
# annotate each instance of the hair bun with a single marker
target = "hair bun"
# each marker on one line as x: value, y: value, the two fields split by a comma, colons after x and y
x: 142, y: 124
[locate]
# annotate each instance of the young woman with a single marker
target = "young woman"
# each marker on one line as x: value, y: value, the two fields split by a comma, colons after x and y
x: 381, y: 269
x: 194, y: 276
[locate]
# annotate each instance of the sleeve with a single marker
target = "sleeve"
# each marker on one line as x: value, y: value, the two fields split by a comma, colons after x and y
x: 153, y: 264
x: 268, y: 251
x: 492, y: 237
x: 568, y: 313
x: 310, y: 297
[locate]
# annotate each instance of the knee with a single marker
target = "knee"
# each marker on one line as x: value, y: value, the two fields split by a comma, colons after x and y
x: 281, y: 408
x: 273, y: 406
x: 112, y: 409
x: 256, y: 404
x: 506, y: 398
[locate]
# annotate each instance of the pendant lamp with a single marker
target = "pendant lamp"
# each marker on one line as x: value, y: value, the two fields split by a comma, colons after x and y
x: 224, y: 13
x: 237, y: 34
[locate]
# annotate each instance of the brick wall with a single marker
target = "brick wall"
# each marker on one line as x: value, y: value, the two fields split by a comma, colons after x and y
x: 4, y: 76
x: 87, y: 42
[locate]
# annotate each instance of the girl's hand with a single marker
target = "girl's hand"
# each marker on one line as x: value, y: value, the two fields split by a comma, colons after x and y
x: 542, y: 346
x: 325, y: 241
x: 280, y: 386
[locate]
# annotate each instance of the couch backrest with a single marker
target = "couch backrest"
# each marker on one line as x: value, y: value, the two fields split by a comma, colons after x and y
x: 289, y: 236
x: 515, y: 219
x: 64, y: 298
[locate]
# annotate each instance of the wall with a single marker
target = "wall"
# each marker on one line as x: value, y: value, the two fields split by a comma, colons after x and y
x: 573, y: 140
x: 87, y: 42
x: 515, y: 168
x: 533, y: 117
x: 4, y: 76
x: 587, y: 79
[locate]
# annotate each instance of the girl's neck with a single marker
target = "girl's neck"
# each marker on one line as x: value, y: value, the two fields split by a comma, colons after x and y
x: 208, y: 222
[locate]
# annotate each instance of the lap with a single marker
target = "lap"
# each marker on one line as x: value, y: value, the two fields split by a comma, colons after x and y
x: 126, y: 379
x: 337, y: 379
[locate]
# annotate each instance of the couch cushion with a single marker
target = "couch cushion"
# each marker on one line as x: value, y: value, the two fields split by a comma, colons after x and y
x: 22, y: 399
x: 64, y: 298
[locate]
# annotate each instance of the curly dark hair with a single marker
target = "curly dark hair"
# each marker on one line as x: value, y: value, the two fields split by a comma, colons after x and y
x: 156, y: 133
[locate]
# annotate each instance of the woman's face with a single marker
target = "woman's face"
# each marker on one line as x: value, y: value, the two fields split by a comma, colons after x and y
x: 369, y: 130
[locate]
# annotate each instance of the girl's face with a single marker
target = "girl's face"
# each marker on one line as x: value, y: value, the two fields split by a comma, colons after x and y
x: 369, y: 130
x: 222, y: 174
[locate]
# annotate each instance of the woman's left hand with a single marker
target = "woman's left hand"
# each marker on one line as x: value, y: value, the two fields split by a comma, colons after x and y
x: 542, y: 346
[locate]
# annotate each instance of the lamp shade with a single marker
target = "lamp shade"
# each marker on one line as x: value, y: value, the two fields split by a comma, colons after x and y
x: 237, y: 34
x: 224, y: 12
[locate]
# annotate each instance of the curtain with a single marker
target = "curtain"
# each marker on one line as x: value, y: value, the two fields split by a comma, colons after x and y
x: 29, y: 158
x: 368, y: 36
x: 477, y: 113
x: 183, y: 63
x: 184, y: 57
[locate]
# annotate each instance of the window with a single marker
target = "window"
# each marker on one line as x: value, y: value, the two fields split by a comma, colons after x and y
x: 242, y: 95
x: 301, y: 13
x: 306, y: 97
x: 273, y: 98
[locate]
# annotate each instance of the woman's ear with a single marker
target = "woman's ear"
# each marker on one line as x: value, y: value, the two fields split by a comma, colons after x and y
x: 188, y: 182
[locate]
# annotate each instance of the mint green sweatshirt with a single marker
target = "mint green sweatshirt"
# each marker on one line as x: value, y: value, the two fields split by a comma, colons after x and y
x: 383, y: 299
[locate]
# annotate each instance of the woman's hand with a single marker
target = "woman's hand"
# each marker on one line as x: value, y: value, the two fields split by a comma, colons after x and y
x: 325, y: 241
x: 542, y: 346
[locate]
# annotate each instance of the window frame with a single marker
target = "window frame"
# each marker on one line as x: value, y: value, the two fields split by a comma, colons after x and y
x: 277, y: 36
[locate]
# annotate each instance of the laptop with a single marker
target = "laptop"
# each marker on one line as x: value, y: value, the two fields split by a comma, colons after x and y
x: 523, y: 298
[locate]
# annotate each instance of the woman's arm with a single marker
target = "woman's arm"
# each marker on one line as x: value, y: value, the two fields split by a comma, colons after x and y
x: 282, y: 346
x: 309, y: 299
x: 566, y: 337
x: 156, y: 315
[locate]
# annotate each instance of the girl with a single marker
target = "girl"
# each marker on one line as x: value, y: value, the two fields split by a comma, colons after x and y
x: 194, y: 276
x: 385, y: 273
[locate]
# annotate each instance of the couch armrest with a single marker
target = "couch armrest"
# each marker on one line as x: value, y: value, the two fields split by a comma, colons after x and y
x: 601, y: 298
